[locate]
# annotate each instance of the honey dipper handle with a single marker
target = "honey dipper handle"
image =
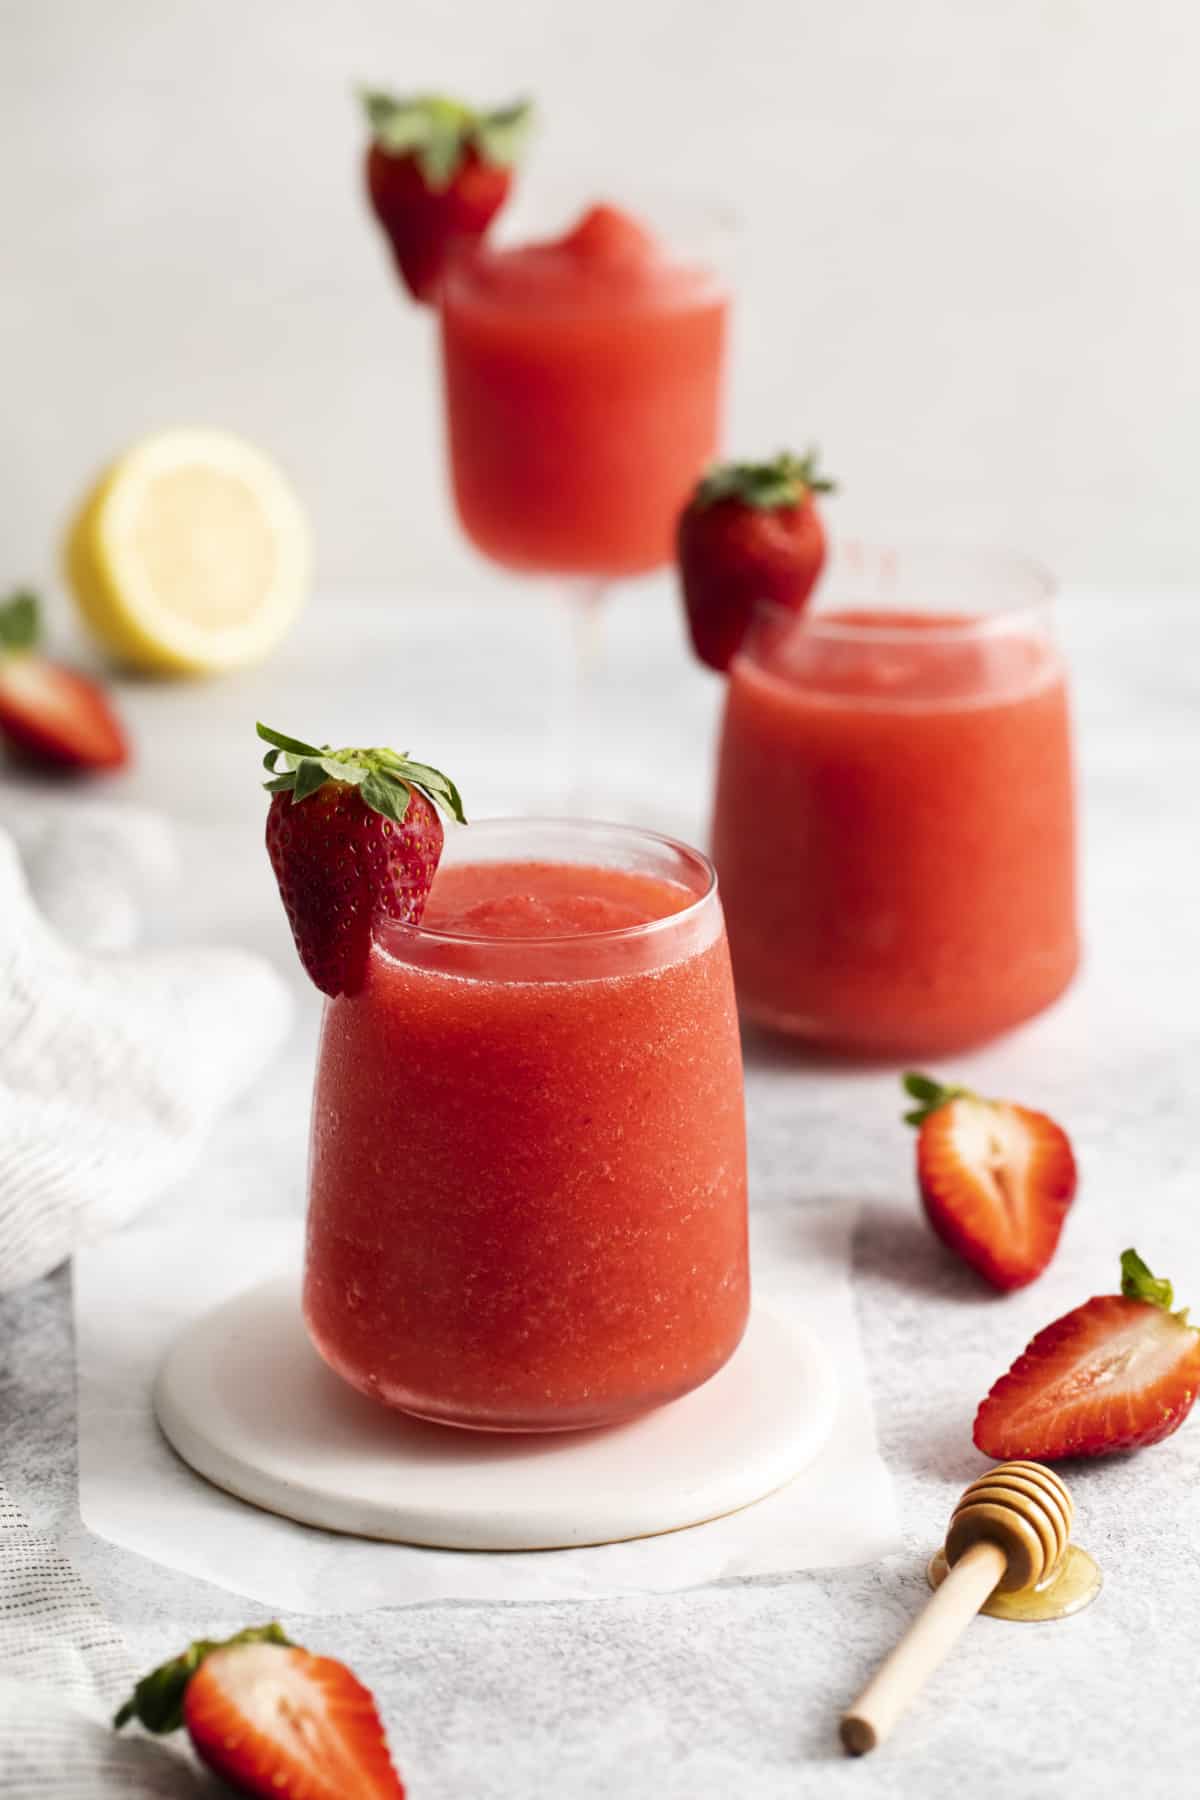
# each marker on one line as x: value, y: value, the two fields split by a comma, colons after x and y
x: 925, y: 1645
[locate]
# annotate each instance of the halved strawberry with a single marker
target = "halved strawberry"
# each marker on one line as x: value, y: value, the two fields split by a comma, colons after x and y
x: 996, y: 1179
x: 271, y: 1719
x: 50, y: 714
x: 1119, y: 1372
x: 354, y: 838
x: 438, y: 172
x: 750, y: 532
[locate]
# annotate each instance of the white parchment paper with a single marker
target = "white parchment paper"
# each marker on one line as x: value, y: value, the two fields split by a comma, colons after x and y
x: 134, y: 1292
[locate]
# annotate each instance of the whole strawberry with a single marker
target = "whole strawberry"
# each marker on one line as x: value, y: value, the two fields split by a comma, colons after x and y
x: 354, y: 838
x: 1119, y: 1372
x: 438, y: 172
x: 750, y: 532
x: 49, y: 714
x: 270, y: 1718
x: 996, y: 1179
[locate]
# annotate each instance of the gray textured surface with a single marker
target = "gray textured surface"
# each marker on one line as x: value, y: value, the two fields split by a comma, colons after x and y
x: 735, y: 1689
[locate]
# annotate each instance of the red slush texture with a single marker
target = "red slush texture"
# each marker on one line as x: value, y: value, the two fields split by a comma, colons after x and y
x: 583, y: 392
x: 528, y: 1196
x: 895, y: 835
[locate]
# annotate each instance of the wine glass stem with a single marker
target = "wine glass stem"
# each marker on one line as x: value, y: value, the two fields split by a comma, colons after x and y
x: 585, y: 600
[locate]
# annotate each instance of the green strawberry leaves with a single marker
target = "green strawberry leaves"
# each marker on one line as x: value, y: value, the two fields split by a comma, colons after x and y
x: 439, y: 131
x: 20, y: 626
x: 157, y: 1700
x: 1137, y: 1283
x: 384, y: 778
x: 501, y: 135
x: 930, y: 1095
x: 292, y: 745
x: 311, y: 773
x: 787, y: 480
x: 433, y: 784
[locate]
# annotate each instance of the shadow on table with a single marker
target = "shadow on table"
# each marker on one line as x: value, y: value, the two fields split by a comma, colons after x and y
x: 775, y: 1049
x: 894, y: 1244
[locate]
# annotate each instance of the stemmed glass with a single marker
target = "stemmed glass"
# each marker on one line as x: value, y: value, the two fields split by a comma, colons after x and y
x: 583, y: 382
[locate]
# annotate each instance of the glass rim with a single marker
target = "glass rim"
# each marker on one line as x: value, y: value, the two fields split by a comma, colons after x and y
x: 400, y: 929
x: 707, y: 286
x: 693, y: 236
x: 833, y: 626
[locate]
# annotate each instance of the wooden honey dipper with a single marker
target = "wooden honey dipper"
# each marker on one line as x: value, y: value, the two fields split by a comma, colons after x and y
x: 1010, y: 1535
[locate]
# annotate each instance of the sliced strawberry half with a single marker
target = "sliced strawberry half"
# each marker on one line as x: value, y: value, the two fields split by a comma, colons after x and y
x: 48, y: 713
x: 271, y: 1719
x: 1119, y: 1372
x: 996, y: 1179
x: 354, y: 838
x: 282, y: 1721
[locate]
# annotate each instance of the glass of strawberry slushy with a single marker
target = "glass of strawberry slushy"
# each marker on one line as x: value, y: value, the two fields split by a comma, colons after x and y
x: 528, y: 1181
x: 895, y: 812
x: 583, y: 380
x: 583, y: 394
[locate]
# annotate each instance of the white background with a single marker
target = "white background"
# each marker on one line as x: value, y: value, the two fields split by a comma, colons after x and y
x: 969, y: 262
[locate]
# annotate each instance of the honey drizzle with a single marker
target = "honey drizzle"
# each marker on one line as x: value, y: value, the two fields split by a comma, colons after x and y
x: 1073, y: 1584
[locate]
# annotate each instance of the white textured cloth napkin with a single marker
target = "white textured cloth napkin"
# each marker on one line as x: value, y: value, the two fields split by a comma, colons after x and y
x: 114, y: 1061
x: 63, y: 1672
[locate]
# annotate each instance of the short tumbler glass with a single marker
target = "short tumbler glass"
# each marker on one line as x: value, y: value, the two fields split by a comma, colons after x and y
x: 895, y: 815
x: 527, y: 1205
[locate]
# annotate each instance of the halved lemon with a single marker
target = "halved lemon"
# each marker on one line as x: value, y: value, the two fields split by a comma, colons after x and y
x: 191, y: 554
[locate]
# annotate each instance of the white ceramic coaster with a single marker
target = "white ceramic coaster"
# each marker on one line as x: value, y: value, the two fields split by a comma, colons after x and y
x: 245, y: 1399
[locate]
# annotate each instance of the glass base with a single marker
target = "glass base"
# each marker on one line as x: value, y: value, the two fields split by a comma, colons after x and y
x: 860, y: 1044
x: 580, y: 1417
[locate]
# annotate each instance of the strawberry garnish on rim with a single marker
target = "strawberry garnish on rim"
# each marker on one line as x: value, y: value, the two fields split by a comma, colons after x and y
x: 996, y: 1179
x: 751, y: 532
x: 438, y: 172
x: 49, y: 714
x: 354, y: 838
x: 270, y: 1718
x: 1119, y: 1372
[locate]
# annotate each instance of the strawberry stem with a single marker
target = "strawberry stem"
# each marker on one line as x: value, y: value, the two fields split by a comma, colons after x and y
x: 385, y: 778
x: 157, y: 1700
x: 440, y: 131
x: 1137, y: 1283
x: 931, y: 1094
x: 784, y: 482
